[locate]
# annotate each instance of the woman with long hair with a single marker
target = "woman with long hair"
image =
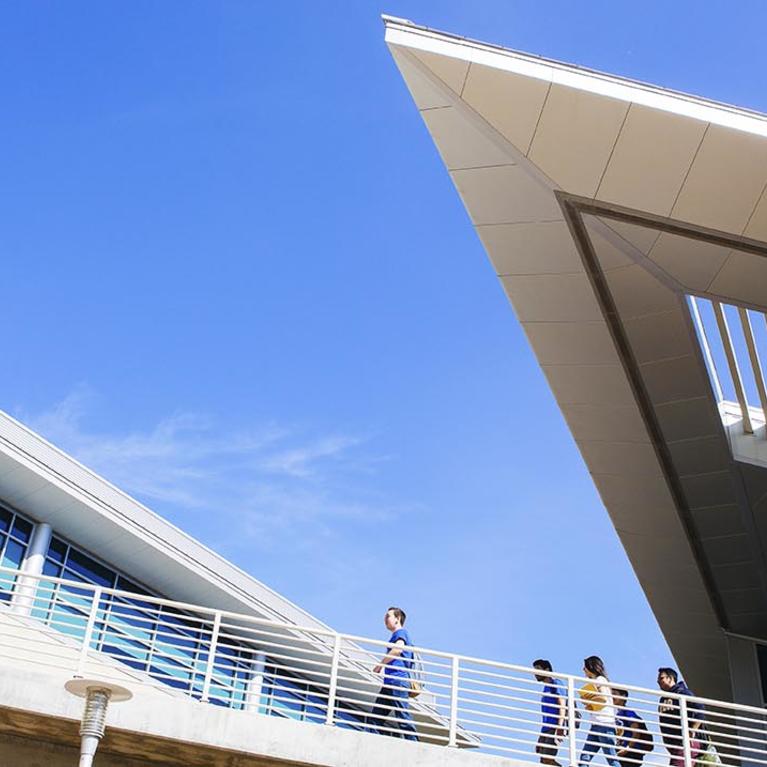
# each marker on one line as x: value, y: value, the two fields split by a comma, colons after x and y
x: 598, y: 698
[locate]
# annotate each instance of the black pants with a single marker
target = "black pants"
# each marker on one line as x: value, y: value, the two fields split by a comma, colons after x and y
x: 393, y: 704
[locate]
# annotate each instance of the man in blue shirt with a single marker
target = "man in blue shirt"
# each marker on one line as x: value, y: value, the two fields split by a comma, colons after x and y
x: 634, y: 739
x: 393, y: 699
x: 553, y: 714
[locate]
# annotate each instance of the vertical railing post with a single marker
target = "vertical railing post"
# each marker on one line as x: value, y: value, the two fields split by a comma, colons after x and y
x: 211, y: 657
x: 686, y: 745
x: 330, y: 716
x: 572, y: 746
x: 89, y: 627
x: 452, y: 739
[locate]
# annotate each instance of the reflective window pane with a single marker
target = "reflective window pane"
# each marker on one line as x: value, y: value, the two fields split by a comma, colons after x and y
x: 90, y: 569
x: 57, y: 551
x: 22, y: 530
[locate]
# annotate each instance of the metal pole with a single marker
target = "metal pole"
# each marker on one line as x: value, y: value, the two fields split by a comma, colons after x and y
x: 98, y: 695
x: 34, y: 559
x: 211, y: 658
x: 452, y: 739
x: 732, y: 362
x: 572, y: 746
x: 330, y: 717
x: 685, y: 733
x: 89, y: 626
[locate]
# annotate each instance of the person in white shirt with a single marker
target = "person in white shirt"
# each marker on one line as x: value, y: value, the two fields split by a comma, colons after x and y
x: 598, y: 697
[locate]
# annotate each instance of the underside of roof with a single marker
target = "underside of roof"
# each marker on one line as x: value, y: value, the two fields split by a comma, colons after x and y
x: 603, y: 204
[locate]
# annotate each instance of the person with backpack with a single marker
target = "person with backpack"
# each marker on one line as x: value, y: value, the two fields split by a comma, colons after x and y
x: 598, y: 698
x: 669, y: 718
x: 553, y: 714
x: 634, y: 739
x: 393, y: 698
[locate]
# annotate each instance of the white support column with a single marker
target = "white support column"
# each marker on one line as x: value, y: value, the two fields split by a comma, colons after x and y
x: 256, y: 684
x: 26, y: 587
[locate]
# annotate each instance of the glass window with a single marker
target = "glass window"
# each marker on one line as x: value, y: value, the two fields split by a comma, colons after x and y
x: 90, y: 569
x: 57, y: 551
x: 22, y: 530
x: 761, y: 654
x: 6, y: 518
x: 14, y: 554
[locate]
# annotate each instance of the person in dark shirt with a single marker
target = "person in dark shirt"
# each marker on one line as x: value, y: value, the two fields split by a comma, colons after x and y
x: 393, y: 698
x: 553, y: 714
x: 670, y: 720
x: 634, y: 739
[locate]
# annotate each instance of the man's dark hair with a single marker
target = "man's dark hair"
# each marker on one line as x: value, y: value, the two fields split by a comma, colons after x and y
x: 669, y: 672
x: 543, y: 665
x: 620, y: 693
x: 398, y: 613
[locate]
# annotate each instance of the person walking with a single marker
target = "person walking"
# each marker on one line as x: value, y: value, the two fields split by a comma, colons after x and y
x: 393, y: 698
x: 634, y: 739
x: 669, y: 718
x: 598, y: 697
x: 553, y: 714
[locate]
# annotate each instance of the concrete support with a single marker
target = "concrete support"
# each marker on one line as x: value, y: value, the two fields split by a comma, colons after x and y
x: 26, y: 587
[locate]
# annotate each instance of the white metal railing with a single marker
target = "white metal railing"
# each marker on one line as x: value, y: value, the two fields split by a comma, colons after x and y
x: 731, y: 338
x: 262, y: 666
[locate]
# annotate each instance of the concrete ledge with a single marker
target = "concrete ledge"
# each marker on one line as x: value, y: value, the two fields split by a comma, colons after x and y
x: 154, y: 728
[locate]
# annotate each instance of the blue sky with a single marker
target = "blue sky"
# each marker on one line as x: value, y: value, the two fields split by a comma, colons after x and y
x: 238, y: 282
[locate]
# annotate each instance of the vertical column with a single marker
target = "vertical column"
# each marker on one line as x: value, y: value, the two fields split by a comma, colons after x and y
x: 26, y: 587
x: 256, y: 684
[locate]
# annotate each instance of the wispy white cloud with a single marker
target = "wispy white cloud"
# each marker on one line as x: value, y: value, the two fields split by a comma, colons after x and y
x: 256, y: 487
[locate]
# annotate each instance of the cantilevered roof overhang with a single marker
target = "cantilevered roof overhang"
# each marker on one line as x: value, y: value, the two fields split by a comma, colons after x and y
x: 602, y: 203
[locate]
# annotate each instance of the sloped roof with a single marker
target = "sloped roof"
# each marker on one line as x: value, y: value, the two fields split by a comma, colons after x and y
x: 601, y: 203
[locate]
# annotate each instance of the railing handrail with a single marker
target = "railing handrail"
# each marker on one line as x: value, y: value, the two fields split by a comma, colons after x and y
x: 353, y: 638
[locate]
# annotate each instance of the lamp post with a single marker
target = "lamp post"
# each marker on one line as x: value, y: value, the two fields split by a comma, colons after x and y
x: 97, y: 695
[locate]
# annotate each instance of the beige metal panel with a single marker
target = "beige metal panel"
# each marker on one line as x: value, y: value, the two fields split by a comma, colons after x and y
x: 744, y: 601
x: 715, y: 521
x: 757, y: 225
x: 425, y: 93
x: 531, y: 248
x: 459, y: 143
x: 450, y: 70
x: 552, y: 297
x: 641, y: 237
x: 575, y: 135
x: 637, y: 292
x: 651, y: 158
x: 700, y: 456
x: 622, y: 458
x: 563, y: 343
x: 659, y: 336
x: 711, y: 489
x: 511, y: 103
x: 688, y: 419
x: 640, y: 504
x: 731, y: 549
x: 609, y: 247
x: 584, y: 384
x: 674, y: 379
x: 605, y: 423
x: 693, y: 262
x: 504, y: 195
x: 664, y: 561
x: 743, y: 278
x: 737, y: 576
x: 725, y: 180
